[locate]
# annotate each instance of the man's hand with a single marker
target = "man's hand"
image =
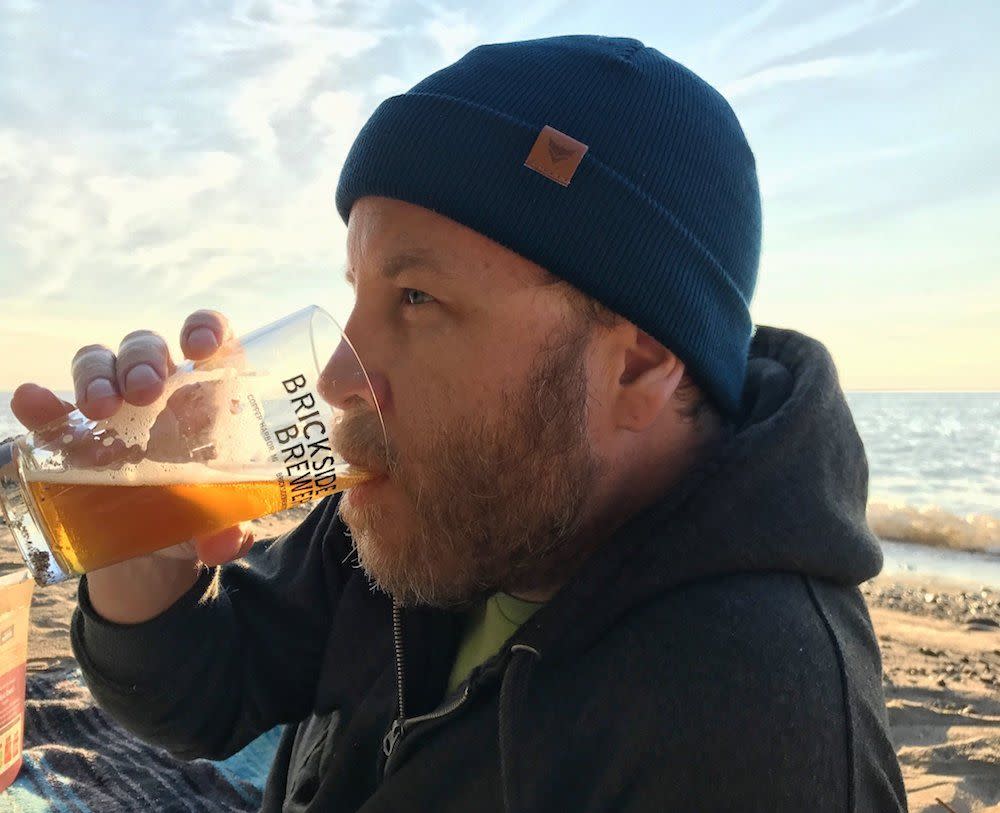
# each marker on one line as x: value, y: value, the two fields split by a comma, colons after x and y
x: 140, y: 588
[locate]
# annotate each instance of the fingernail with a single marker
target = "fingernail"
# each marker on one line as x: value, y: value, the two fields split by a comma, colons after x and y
x: 100, y: 388
x: 141, y: 377
x: 203, y: 339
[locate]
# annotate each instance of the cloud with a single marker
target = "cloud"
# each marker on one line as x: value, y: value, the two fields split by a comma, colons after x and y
x: 740, y: 28
x: 44, y: 220
x: 223, y: 178
x: 276, y: 92
x: 385, y: 85
x: 820, y: 172
x: 451, y: 31
x: 73, y: 218
x: 538, y: 18
x: 287, y: 49
x: 339, y: 116
x: 191, y: 160
x: 834, y: 67
x: 842, y: 20
x: 769, y: 36
x: 136, y: 202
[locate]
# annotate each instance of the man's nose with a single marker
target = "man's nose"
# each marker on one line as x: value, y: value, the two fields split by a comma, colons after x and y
x: 343, y: 383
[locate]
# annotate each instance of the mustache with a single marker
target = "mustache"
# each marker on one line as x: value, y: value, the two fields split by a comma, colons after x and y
x: 359, y: 439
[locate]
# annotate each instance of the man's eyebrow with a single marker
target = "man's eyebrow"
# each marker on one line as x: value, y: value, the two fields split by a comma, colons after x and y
x: 399, y: 263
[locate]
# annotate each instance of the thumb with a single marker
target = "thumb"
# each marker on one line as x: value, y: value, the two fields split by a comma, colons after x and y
x: 226, y: 545
x: 36, y: 406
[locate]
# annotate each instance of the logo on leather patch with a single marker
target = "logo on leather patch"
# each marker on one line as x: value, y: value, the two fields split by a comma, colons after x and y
x: 556, y: 155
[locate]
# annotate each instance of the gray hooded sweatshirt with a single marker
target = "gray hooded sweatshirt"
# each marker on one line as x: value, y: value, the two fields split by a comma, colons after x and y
x: 715, y: 654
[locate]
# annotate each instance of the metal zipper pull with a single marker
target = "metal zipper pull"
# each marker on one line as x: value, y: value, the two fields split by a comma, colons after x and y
x: 392, y: 737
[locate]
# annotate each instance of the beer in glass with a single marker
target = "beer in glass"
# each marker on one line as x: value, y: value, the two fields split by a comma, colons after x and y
x: 239, y: 436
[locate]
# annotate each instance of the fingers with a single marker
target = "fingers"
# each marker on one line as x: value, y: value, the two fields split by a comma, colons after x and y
x: 94, y: 381
x: 185, y: 551
x: 203, y: 333
x: 248, y: 542
x: 102, y: 381
x: 232, y: 543
x: 142, y: 366
x: 36, y: 406
x: 217, y: 549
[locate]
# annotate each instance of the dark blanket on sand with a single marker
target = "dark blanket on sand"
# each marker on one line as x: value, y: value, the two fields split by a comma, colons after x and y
x: 76, y: 759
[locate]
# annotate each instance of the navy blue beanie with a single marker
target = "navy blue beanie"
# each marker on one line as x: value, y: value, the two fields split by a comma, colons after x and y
x: 601, y: 160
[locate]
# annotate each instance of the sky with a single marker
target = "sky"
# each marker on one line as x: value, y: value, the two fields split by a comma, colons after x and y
x: 157, y: 158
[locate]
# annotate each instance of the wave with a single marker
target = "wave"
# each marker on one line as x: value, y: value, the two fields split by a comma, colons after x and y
x: 934, y: 526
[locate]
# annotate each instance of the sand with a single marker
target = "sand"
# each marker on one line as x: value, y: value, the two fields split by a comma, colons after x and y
x: 941, y: 671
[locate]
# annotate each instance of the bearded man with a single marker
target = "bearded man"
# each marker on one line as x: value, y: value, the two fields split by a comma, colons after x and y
x: 610, y: 560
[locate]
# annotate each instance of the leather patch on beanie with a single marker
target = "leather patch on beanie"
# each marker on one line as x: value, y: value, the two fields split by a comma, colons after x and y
x: 556, y: 155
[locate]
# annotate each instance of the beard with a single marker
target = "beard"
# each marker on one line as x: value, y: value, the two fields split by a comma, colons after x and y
x: 498, y: 501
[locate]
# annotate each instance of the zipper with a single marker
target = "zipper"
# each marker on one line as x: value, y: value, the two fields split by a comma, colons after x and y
x: 401, y: 725
x: 397, y: 642
x: 395, y: 731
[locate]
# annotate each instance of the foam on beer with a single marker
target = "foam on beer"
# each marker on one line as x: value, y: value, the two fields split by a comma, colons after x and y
x: 152, y: 473
x: 235, y: 437
x: 133, y: 424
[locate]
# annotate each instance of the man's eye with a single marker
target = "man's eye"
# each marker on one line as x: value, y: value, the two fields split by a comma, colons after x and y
x: 414, y: 297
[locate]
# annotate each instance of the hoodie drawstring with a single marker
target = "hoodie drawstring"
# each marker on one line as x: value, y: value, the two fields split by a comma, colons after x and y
x: 515, y: 679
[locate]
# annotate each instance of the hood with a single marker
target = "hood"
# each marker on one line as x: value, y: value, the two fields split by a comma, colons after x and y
x: 785, y: 490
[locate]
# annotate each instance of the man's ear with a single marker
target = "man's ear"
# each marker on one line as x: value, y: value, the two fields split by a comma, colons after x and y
x: 650, y: 374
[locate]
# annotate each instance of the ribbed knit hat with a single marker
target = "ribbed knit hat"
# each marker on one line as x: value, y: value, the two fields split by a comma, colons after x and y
x: 603, y: 161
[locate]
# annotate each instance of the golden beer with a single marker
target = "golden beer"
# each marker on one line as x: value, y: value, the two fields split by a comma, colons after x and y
x: 94, y: 521
x: 253, y: 430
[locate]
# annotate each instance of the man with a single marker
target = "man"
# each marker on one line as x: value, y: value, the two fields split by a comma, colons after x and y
x: 611, y: 561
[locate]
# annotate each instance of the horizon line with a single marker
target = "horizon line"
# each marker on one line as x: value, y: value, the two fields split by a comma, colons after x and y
x: 846, y: 390
x: 927, y: 392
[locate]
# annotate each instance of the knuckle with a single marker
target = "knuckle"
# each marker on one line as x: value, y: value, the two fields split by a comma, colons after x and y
x: 89, y: 350
x: 142, y: 339
x: 142, y: 345
x: 92, y: 360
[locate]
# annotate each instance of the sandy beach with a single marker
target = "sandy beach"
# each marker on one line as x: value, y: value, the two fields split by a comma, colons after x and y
x: 941, y: 671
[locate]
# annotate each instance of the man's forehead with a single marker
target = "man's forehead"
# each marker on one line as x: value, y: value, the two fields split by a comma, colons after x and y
x: 388, y: 236
x: 395, y: 264
x: 395, y: 235
x: 499, y: 266
x: 396, y: 224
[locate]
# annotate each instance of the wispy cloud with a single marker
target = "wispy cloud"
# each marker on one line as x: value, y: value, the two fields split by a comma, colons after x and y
x: 385, y: 85
x: 834, y: 67
x: 776, y: 33
x: 732, y: 35
x: 823, y: 171
x: 134, y: 203
x: 451, y: 31
x: 186, y: 155
x: 276, y: 92
x: 826, y: 26
x: 238, y: 159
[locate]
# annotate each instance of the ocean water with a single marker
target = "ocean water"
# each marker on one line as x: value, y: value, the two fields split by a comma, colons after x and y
x: 934, y: 465
x: 939, y: 448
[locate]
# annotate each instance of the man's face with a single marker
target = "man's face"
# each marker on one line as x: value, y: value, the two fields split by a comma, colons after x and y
x: 481, y: 372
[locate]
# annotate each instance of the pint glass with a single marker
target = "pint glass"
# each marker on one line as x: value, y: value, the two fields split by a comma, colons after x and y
x: 238, y: 436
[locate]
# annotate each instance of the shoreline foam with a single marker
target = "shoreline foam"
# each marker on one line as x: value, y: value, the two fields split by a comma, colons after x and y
x: 935, y: 527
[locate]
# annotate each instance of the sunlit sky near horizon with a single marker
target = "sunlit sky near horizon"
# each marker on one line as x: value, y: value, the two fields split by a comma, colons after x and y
x: 156, y: 158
